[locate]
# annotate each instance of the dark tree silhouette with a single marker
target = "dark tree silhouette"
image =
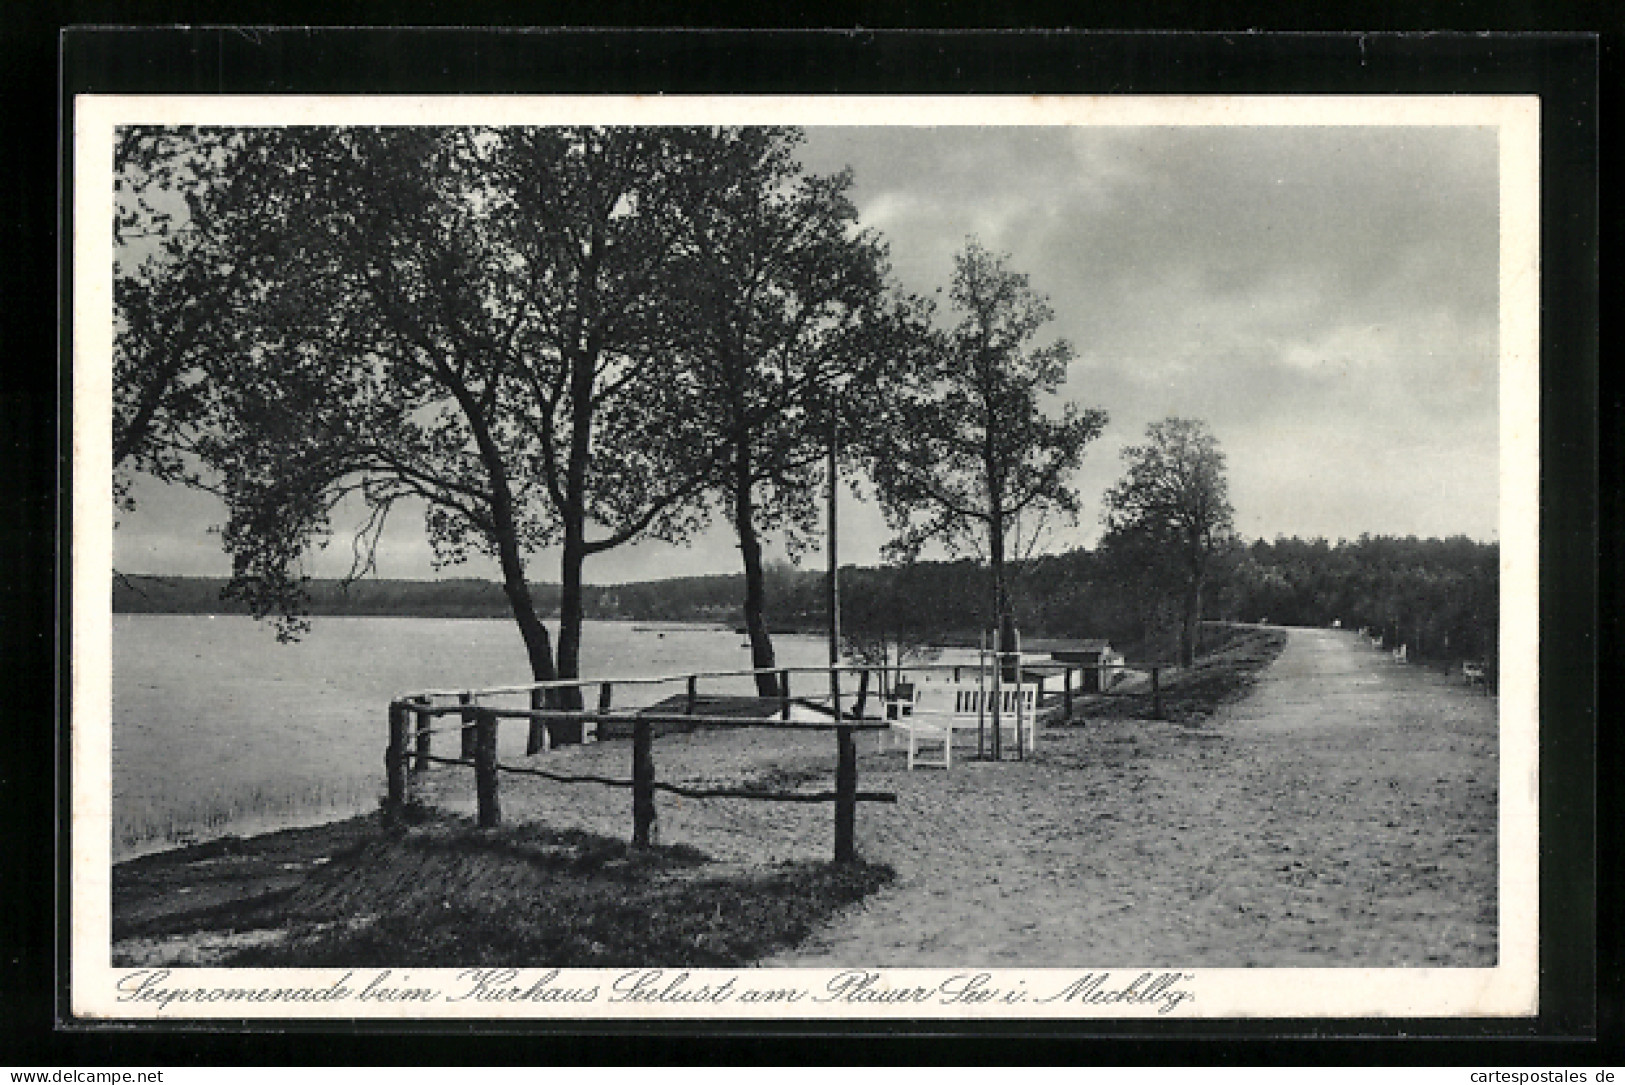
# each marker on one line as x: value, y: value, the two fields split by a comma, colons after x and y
x: 169, y: 299
x: 1174, y: 506
x: 783, y: 297
x: 965, y: 448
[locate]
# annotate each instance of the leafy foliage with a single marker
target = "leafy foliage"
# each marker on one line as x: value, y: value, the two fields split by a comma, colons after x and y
x: 482, y: 320
x: 1440, y: 597
x: 168, y: 295
x: 1171, y: 514
x: 963, y: 448
x: 778, y: 288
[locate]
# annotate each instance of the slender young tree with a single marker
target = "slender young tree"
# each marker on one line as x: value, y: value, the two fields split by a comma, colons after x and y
x: 966, y: 448
x: 784, y: 296
x: 1174, y: 502
x: 886, y: 616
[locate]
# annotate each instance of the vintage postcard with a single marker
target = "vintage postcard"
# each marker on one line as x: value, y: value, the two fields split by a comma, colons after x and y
x: 821, y: 558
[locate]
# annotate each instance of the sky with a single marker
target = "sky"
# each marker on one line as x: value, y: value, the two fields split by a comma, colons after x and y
x: 1324, y: 298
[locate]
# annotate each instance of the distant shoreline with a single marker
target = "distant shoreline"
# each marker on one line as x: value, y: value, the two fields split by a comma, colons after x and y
x: 655, y: 601
x: 639, y: 625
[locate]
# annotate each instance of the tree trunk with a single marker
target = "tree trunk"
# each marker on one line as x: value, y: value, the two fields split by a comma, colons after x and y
x: 574, y: 515
x: 538, y: 646
x: 571, y: 613
x: 571, y: 608
x: 750, y: 547
x: 1191, y: 632
x: 1004, y: 615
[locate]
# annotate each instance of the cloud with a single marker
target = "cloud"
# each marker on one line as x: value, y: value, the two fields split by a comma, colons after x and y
x: 1311, y: 292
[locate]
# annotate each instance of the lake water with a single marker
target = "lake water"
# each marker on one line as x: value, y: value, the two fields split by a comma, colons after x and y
x: 217, y: 727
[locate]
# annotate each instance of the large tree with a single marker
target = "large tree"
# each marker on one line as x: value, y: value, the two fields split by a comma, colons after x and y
x: 784, y: 303
x: 471, y: 318
x: 964, y: 448
x: 1173, y: 504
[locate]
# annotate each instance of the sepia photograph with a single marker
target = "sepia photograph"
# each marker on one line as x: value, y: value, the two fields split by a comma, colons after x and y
x: 810, y: 557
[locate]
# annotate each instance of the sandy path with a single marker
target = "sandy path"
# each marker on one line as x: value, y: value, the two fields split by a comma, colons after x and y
x: 1343, y: 814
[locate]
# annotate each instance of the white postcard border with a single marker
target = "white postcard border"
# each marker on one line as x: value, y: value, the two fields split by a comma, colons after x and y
x: 100, y: 991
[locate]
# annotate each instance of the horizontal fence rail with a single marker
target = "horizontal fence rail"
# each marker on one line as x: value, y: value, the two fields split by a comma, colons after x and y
x: 1008, y: 660
x: 566, y: 715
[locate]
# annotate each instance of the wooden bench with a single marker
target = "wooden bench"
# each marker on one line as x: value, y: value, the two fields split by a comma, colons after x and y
x: 933, y: 717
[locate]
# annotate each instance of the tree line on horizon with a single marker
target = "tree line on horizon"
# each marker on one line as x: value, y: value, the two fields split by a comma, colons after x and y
x: 1440, y: 597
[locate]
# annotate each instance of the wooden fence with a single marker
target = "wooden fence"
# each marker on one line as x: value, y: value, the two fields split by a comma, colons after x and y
x: 412, y: 727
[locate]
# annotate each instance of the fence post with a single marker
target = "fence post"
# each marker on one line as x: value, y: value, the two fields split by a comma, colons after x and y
x: 425, y: 736
x: 981, y: 697
x: 485, y: 769
x: 1066, y: 691
x: 1021, y: 722
x: 693, y: 694
x: 863, y: 693
x: 1156, y: 693
x: 605, y: 692
x: 537, y: 736
x: 846, y: 794
x: 784, y: 695
x: 395, y: 755
x: 997, y: 711
x: 643, y: 779
x: 465, y: 749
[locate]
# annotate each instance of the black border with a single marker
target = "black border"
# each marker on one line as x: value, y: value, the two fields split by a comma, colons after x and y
x: 1560, y: 68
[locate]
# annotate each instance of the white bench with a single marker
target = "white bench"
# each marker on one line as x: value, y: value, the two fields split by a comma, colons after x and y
x: 934, y: 715
x: 1472, y: 673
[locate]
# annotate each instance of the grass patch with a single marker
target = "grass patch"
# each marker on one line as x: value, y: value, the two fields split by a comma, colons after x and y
x: 180, y: 818
x: 444, y: 894
x: 782, y: 780
x: 1192, y: 694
